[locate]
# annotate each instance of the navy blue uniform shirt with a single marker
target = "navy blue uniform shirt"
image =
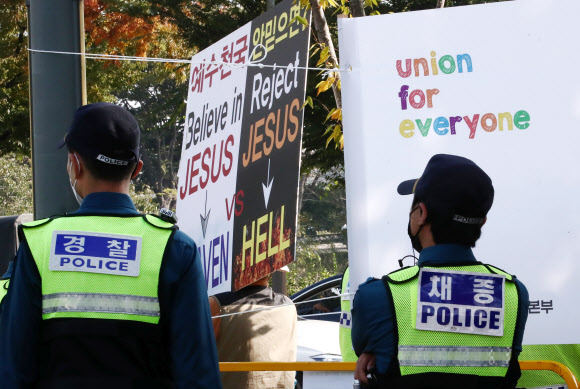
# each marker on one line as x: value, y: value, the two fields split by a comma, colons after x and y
x: 373, y: 321
x: 182, y: 296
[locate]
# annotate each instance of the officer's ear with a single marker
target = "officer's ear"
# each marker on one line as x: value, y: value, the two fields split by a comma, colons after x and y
x: 423, y: 213
x: 484, y: 220
x: 137, y: 169
x: 76, y: 166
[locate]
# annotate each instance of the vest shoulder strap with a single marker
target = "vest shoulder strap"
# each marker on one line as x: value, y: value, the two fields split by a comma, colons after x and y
x: 29, y: 225
x: 37, y: 223
x: 156, y: 221
x: 497, y: 270
x: 403, y: 275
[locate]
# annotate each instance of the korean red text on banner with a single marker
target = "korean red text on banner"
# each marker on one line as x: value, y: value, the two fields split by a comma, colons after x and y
x: 206, y: 74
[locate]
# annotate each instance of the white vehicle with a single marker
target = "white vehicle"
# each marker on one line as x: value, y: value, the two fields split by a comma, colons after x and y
x: 317, y: 332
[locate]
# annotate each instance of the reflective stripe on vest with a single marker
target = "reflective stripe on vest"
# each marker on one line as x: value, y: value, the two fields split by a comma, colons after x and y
x: 92, y: 289
x: 425, y: 351
x: 454, y: 356
x: 100, y: 302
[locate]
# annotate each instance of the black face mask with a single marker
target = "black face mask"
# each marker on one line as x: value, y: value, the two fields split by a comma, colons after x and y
x: 415, y: 242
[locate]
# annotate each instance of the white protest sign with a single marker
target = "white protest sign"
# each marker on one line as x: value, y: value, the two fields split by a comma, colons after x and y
x: 211, y: 140
x: 496, y: 83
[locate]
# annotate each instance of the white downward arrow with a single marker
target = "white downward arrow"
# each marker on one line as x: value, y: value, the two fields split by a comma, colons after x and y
x: 205, y: 219
x: 267, y: 188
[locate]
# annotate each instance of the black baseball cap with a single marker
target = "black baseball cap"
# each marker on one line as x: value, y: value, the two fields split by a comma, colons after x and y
x: 106, y: 132
x: 454, y: 186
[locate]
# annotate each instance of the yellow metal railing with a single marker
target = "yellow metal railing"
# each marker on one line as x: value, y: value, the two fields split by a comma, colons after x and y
x: 287, y: 366
x: 556, y: 367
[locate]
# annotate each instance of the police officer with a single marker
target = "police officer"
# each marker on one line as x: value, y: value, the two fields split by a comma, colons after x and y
x: 106, y: 297
x: 450, y: 321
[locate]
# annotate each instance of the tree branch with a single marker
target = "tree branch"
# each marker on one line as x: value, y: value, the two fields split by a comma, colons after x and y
x: 356, y: 8
x: 323, y: 34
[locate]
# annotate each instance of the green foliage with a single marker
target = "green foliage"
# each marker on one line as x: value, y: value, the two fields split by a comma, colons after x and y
x: 15, y: 185
x: 315, y: 153
x: 144, y: 198
x: 323, y: 203
x: 16, y: 188
x: 393, y: 6
x: 321, y: 246
x: 14, y: 119
x: 311, y: 267
x: 204, y: 22
x: 157, y: 101
x: 154, y: 92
